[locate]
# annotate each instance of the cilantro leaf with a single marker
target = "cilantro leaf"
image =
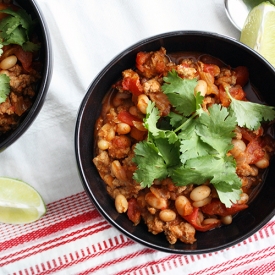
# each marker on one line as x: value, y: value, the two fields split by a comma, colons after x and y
x: 228, y: 197
x: 150, y: 123
x: 190, y: 145
x: 17, y: 36
x: 220, y: 171
x: 16, y: 29
x: 217, y: 128
x: 225, y: 172
x: 180, y: 92
x: 199, y: 100
x: 176, y: 119
x: 23, y: 18
x: 4, y: 87
x: 193, y: 147
x: 182, y: 176
x: 250, y: 114
x: 151, y: 164
x: 152, y: 117
x: 30, y: 46
x: 169, y: 152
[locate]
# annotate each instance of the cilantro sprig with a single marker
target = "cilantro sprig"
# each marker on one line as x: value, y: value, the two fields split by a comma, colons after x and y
x: 194, y: 147
x: 250, y: 114
x: 16, y: 29
x: 4, y: 87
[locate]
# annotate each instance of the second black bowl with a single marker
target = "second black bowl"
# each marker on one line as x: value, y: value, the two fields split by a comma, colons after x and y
x: 45, y: 57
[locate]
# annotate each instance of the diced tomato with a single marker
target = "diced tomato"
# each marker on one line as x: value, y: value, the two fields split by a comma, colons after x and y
x: 242, y: 75
x: 194, y: 220
x: 127, y: 118
x: 132, y: 84
x: 141, y: 58
x: 249, y: 135
x: 216, y: 207
x: 137, y: 134
x: 254, y: 151
x: 133, y: 211
x: 237, y: 92
x: 21, y: 105
x: 152, y: 63
x: 212, y: 69
x: 24, y: 57
x: 224, y: 98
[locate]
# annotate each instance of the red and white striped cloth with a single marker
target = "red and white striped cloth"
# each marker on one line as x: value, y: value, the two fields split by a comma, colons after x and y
x: 73, y: 238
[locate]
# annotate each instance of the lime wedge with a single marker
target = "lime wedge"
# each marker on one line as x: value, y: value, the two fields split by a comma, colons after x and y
x: 259, y: 31
x: 19, y: 202
x: 253, y: 3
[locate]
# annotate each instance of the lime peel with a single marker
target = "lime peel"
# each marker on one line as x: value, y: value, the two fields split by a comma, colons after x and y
x: 19, y: 202
x: 259, y: 31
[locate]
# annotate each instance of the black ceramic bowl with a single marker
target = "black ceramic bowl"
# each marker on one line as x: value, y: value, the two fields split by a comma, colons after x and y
x: 262, y: 76
x: 27, y: 119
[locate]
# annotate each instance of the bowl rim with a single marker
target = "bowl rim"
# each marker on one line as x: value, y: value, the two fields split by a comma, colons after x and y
x: 43, y: 87
x: 80, y: 167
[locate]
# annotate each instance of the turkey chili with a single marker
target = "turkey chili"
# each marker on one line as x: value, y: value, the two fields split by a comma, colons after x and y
x: 174, y: 148
x: 20, y: 66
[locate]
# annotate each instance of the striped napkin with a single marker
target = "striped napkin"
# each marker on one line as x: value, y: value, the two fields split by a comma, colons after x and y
x: 73, y: 238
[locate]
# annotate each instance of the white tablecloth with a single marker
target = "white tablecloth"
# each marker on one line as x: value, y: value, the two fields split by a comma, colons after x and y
x: 73, y: 238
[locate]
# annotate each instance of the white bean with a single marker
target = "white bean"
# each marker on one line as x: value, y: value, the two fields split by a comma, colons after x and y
x: 183, y: 206
x: 142, y: 103
x: 209, y: 221
x: 118, y: 171
x: 239, y: 144
x: 238, y: 149
x: 107, y: 132
x: 201, y: 87
x: 200, y: 217
x: 263, y: 163
x: 167, y: 215
x: 202, y: 202
x: 243, y: 198
x: 158, y: 203
x: 123, y: 128
x: 8, y: 62
x: 200, y: 193
x: 254, y: 170
x: 121, y: 204
x: 140, y: 126
x: 133, y: 110
x: 103, y: 144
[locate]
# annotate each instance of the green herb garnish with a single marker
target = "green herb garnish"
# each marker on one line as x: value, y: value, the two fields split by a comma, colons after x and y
x: 4, y: 87
x: 194, y: 148
x: 16, y: 29
x: 250, y: 114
